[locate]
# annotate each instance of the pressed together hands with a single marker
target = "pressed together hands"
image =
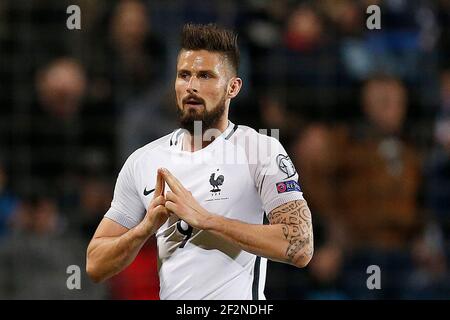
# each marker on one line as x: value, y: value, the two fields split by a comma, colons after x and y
x: 113, y: 246
x: 178, y: 201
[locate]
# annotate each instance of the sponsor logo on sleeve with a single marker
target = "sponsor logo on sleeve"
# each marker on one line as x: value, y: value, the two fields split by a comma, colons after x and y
x: 288, y: 186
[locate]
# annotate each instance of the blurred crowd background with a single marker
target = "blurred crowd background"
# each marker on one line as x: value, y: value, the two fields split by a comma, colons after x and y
x: 364, y: 114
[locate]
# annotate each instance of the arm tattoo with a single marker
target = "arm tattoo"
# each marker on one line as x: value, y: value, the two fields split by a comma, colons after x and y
x: 296, y: 222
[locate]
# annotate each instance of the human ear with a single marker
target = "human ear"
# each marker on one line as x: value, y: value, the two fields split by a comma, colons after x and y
x: 234, y: 87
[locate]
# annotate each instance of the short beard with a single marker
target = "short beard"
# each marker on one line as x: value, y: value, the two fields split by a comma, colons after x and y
x: 210, y: 119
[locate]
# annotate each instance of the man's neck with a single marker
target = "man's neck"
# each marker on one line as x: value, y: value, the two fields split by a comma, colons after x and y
x: 194, y: 143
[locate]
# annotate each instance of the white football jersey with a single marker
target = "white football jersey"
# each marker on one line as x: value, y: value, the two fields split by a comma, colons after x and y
x: 241, y: 175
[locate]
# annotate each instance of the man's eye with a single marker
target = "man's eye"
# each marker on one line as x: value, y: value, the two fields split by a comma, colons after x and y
x: 183, y: 75
x: 204, y: 76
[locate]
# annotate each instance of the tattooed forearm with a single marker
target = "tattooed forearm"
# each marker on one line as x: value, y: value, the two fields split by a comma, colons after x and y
x: 295, y: 219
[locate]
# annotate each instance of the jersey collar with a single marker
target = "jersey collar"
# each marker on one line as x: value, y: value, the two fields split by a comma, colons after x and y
x: 177, y: 135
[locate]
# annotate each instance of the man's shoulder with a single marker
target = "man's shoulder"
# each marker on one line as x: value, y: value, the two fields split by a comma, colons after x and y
x: 248, y: 134
x: 257, y: 146
x: 164, y: 140
x: 151, y: 146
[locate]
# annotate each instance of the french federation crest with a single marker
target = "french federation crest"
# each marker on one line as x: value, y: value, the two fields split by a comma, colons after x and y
x: 216, y: 182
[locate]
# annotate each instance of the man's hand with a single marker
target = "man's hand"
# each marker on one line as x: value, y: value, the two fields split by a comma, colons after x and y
x: 113, y: 246
x: 157, y: 213
x: 288, y: 239
x: 181, y: 202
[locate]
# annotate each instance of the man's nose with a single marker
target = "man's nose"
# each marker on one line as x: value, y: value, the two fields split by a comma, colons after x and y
x: 192, y: 85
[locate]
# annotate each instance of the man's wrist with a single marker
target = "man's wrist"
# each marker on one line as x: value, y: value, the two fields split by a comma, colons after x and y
x: 143, y: 231
x: 212, y: 221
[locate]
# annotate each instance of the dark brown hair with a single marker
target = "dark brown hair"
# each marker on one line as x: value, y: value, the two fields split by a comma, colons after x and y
x: 213, y: 38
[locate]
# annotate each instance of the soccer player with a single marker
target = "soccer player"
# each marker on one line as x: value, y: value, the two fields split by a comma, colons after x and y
x: 234, y: 200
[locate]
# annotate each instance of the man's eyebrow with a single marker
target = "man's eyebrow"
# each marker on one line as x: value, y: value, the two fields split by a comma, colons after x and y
x: 212, y: 72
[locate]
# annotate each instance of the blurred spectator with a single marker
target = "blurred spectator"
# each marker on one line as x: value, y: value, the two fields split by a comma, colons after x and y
x: 94, y: 200
x: 365, y: 181
x: 429, y: 279
x: 347, y: 15
x: 380, y: 171
x: 303, y: 65
x: 61, y: 87
x: 325, y: 282
x: 133, y: 56
x: 438, y: 167
x: 304, y: 30
x: 34, y: 260
x: 56, y: 132
x: 437, y: 173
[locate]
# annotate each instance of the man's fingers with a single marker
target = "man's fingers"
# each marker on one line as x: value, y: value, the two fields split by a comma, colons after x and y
x: 159, y: 186
x: 171, y: 206
x: 160, y: 200
x: 173, y: 182
x: 170, y: 196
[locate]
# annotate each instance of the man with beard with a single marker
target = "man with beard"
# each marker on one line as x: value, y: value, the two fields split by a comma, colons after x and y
x: 234, y: 199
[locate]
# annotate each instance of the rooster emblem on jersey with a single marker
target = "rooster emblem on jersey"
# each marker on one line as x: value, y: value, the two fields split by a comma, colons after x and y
x: 216, y: 182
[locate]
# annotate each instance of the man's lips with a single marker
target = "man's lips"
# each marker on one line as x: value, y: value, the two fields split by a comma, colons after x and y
x: 193, y: 103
